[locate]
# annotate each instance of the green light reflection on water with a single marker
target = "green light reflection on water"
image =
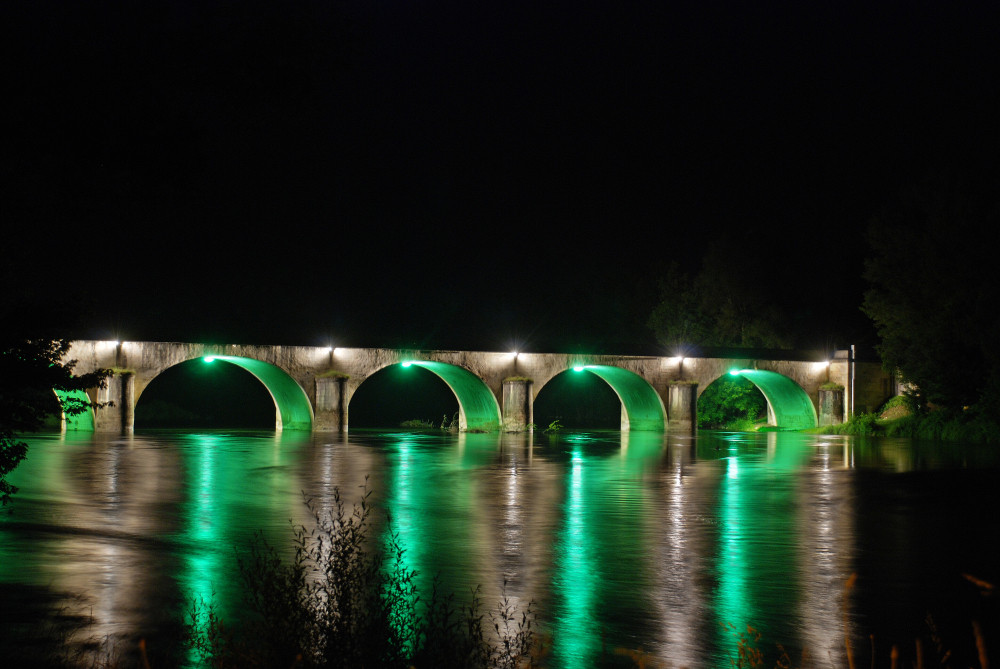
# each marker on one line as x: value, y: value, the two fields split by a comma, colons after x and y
x: 575, y: 581
x: 402, y: 505
x: 204, y: 518
x: 755, y: 558
x: 744, y: 512
x: 732, y: 603
x: 432, y: 499
x: 413, y: 465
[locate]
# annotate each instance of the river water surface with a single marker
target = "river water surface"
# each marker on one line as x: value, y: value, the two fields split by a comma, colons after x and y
x: 666, y: 546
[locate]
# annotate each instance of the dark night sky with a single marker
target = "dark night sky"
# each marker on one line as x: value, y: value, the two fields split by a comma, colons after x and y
x: 467, y: 174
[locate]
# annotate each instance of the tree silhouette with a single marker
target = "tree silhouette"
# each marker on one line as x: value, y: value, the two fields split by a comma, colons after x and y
x: 33, y: 364
x: 933, y: 292
x: 30, y: 370
x: 722, y: 305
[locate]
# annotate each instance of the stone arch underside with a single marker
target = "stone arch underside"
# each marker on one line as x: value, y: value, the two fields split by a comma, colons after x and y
x: 293, y: 407
x: 643, y: 407
x: 478, y: 410
x: 82, y: 422
x: 793, y: 410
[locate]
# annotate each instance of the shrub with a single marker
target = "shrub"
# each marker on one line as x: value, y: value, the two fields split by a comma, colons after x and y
x: 417, y: 424
x: 741, y: 425
x: 450, y: 424
x: 863, y: 424
x: 340, y: 602
x: 730, y: 399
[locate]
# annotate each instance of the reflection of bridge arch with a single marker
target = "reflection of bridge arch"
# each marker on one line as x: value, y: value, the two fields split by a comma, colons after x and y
x: 478, y: 409
x: 642, y: 408
x: 792, y: 408
x: 293, y: 409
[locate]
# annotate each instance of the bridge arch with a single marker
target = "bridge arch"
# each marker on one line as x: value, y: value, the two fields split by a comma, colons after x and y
x: 478, y: 410
x: 792, y: 408
x: 294, y: 410
x: 641, y: 404
x: 81, y: 422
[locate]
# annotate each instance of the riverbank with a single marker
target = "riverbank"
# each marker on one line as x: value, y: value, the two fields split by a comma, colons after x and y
x: 895, y: 420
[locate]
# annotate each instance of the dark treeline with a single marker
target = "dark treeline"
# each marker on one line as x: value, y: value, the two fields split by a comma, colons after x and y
x: 930, y: 297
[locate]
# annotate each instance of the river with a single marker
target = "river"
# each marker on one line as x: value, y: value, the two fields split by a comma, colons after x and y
x: 665, y: 546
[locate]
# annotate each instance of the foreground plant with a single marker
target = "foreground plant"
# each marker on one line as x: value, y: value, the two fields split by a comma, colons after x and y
x: 343, y: 602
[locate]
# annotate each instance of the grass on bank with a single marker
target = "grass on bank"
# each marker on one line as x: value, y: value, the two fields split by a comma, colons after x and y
x: 896, y: 418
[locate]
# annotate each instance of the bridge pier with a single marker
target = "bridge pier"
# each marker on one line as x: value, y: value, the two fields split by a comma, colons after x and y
x: 682, y: 403
x: 831, y: 406
x: 517, y: 406
x: 330, y: 412
x: 119, y: 416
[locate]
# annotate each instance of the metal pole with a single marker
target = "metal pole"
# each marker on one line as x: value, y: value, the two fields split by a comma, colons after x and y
x: 851, y: 364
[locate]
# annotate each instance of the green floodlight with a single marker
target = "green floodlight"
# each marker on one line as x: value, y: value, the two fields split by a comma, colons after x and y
x: 578, y: 368
x: 209, y: 358
x: 406, y: 363
x: 734, y: 372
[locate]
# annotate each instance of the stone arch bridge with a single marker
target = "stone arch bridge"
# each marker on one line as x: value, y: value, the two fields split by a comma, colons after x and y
x: 312, y: 387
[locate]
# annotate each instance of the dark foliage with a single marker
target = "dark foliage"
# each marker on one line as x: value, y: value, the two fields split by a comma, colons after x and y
x: 717, y: 307
x: 730, y: 399
x: 30, y: 370
x: 344, y: 600
x: 933, y: 295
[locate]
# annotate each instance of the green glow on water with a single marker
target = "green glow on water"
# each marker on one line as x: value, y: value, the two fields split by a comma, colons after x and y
x: 293, y: 405
x: 404, y: 504
x: 651, y: 543
x: 733, y: 604
x: 642, y: 404
x: 204, y: 519
x: 577, y: 577
x: 433, y: 524
x: 793, y: 410
x: 475, y: 400
x: 757, y: 562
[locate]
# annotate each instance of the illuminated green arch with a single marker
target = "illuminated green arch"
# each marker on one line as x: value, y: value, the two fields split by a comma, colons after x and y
x: 294, y: 409
x: 793, y: 410
x: 643, y: 406
x: 475, y: 400
x: 81, y: 422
